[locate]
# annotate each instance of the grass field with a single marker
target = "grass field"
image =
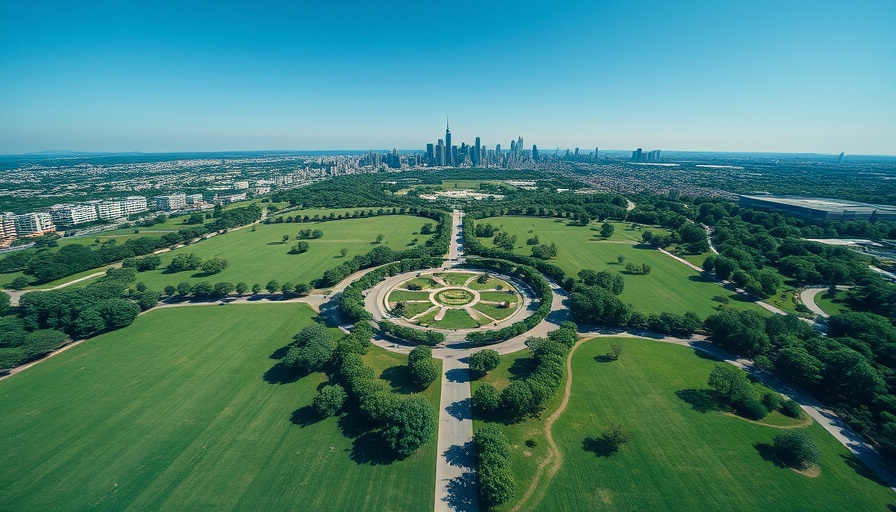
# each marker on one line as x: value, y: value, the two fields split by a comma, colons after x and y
x: 671, y: 286
x: 400, y: 295
x: 494, y: 311
x: 679, y: 458
x: 180, y: 411
x: 259, y: 256
x: 832, y: 304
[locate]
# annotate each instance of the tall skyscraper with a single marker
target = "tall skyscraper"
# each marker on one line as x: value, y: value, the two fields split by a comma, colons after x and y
x: 430, y: 154
x: 450, y: 158
x: 477, y: 153
x: 534, y: 152
x: 595, y: 153
x: 440, y: 153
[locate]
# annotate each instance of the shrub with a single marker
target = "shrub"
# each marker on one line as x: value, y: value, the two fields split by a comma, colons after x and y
x: 752, y: 409
x: 771, y: 400
x: 792, y: 409
x: 484, y: 361
x: 797, y: 448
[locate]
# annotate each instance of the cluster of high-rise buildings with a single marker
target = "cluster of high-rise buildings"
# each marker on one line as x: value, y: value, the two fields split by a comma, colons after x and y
x: 443, y: 153
x: 640, y: 155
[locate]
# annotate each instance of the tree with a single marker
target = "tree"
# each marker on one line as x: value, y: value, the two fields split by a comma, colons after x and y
x: 170, y: 290
x: 516, y: 399
x: 620, y: 259
x: 19, y: 283
x: 797, y: 448
x: 224, y: 288
x: 423, y: 369
x: 379, y: 238
x: 329, y: 400
x: 606, y: 230
x: 317, y: 233
x: 241, y: 288
x: 285, y: 239
x: 496, y: 483
x: 256, y: 288
x: 426, y: 229
x: 412, y: 425
x: 615, y: 349
x: 312, y: 348
x: 272, y: 286
x: 484, y: 361
x: 184, y: 288
x: 731, y: 383
x: 183, y: 262
x: 486, y: 399
x: 615, y: 436
x: 343, y: 252
x: 300, y: 247
x: 203, y: 289
x: 214, y: 265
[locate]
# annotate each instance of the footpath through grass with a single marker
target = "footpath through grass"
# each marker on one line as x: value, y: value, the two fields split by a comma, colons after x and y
x: 681, y: 457
x: 180, y: 412
x: 671, y: 286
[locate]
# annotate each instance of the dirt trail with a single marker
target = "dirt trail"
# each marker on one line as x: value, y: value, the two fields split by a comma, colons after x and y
x: 551, y: 464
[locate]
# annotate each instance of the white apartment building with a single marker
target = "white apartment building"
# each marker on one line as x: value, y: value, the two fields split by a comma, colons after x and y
x: 240, y: 185
x: 172, y: 202
x: 134, y: 204
x: 68, y: 215
x: 7, y: 227
x: 36, y: 223
x: 110, y: 209
x: 194, y: 198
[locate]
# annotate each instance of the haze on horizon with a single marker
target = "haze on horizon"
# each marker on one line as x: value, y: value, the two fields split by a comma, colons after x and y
x: 706, y: 76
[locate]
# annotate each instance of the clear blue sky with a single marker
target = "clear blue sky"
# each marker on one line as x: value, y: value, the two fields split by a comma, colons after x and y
x: 791, y: 76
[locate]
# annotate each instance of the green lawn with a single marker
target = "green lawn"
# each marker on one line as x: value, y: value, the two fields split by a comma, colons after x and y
x: 494, y: 311
x: 179, y: 411
x: 499, y: 296
x: 671, y: 286
x: 491, y: 284
x: 679, y: 458
x: 259, y: 256
x: 832, y: 304
x: 455, y: 278
x: 400, y: 295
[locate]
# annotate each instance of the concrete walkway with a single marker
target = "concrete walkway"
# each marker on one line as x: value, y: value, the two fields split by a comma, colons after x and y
x: 807, y: 297
x: 455, y: 470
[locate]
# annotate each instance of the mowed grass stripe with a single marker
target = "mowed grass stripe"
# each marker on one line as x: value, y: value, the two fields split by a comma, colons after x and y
x: 173, y: 412
x: 681, y: 459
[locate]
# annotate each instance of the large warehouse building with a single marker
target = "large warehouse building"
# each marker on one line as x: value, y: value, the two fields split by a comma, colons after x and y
x: 811, y: 208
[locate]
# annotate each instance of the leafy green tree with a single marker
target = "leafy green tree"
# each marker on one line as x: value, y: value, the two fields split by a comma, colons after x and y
x: 256, y: 288
x: 183, y: 262
x: 615, y: 436
x: 496, y: 483
x: 203, y: 289
x: 184, y: 288
x: 484, y: 361
x: 224, y: 288
x: 312, y: 348
x: 214, y: 265
x: 731, y: 383
x: 412, y: 425
x: 316, y: 233
x: 19, y: 283
x: 272, y: 286
x: 620, y: 259
x: 797, y: 448
x: 241, y: 288
x: 606, y: 230
x: 486, y: 399
x: 170, y: 290
x: 300, y: 247
x: 285, y: 239
x: 141, y: 286
x: 343, y: 252
x: 329, y: 400
x: 516, y: 399
x: 426, y: 229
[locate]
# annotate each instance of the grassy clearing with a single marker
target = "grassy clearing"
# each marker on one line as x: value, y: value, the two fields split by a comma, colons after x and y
x: 499, y: 296
x: 671, y: 286
x: 494, y: 311
x: 259, y: 256
x: 412, y: 309
x: 524, y: 459
x: 491, y: 284
x: 832, y: 304
x: 455, y: 278
x: 180, y: 408
x: 400, y: 295
x: 423, y: 282
x: 679, y: 458
x: 456, y: 319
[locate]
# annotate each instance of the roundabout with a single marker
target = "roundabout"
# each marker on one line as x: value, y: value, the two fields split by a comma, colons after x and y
x: 452, y: 300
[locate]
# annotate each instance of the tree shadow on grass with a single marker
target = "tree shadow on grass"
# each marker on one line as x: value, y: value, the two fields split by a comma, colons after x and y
x: 282, y: 374
x: 861, y: 469
x: 598, y: 446
x: 280, y: 353
x: 462, y: 493
x: 768, y: 452
x: 521, y: 368
x: 605, y: 358
x: 304, y: 416
x: 701, y: 400
x: 370, y: 448
x: 399, y: 378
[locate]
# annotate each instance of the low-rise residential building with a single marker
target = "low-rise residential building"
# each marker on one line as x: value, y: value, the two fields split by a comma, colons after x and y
x: 229, y: 198
x: 172, y: 202
x: 7, y: 228
x: 68, y: 215
x: 33, y: 224
x: 240, y: 185
x: 194, y: 198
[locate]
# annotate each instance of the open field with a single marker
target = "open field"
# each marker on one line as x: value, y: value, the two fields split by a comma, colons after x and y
x: 181, y: 411
x: 259, y: 256
x: 680, y: 458
x: 671, y: 286
x: 832, y: 304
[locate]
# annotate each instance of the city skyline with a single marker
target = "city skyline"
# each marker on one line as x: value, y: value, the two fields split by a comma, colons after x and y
x: 796, y: 77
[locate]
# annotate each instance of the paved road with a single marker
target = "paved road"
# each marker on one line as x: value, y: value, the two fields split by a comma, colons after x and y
x: 807, y: 297
x: 456, y: 466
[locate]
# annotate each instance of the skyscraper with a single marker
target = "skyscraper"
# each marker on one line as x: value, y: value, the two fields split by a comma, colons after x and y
x: 534, y: 152
x: 477, y: 153
x: 430, y: 154
x: 440, y: 153
x: 450, y: 159
x: 595, y: 153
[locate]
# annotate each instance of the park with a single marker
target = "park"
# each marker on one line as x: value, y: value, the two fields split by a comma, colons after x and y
x: 215, y: 400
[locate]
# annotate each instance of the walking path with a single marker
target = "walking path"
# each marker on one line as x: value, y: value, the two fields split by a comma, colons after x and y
x: 456, y: 466
x: 807, y: 297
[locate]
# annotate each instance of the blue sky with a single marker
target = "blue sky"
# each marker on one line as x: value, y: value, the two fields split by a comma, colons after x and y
x: 793, y: 76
